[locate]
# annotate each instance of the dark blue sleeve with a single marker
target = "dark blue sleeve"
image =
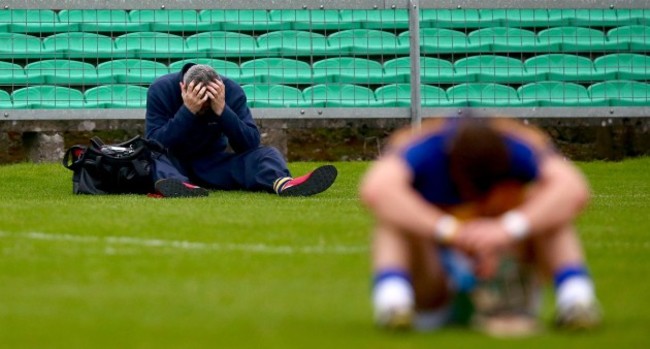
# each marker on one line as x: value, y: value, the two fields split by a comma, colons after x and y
x: 524, y: 162
x: 167, y: 122
x: 237, y: 121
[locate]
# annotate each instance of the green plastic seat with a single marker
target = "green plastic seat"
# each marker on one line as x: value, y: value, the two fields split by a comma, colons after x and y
x: 377, y: 19
x: 242, y: 20
x: 624, y: 66
x: 151, y: 45
x: 640, y: 16
x: 517, y: 18
x: 168, y: 20
x: 288, y: 43
x: 622, y: 93
x: 494, y: 69
x: 585, y: 17
x: 312, y: 19
x: 65, y: 72
x: 273, y: 96
x: 360, y: 42
x: 5, y: 100
x: 334, y: 95
x: 349, y: 70
x: 502, y: 39
x: 116, y: 96
x: 33, y: 21
x: 132, y: 71
x: 635, y: 37
x: 399, y: 95
x: 557, y: 94
x: 14, y: 45
x: 81, y: 45
x: 47, y: 97
x: 12, y: 74
x: 436, y: 41
x: 432, y: 70
x: 228, y: 69
x: 577, y: 39
x: 222, y: 44
x: 456, y: 18
x: 101, y: 21
x: 277, y: 71
x: 486, y: 95
x: 561, y: 67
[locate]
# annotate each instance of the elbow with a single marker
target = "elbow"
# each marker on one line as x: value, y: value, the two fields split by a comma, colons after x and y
x: 582, y: 195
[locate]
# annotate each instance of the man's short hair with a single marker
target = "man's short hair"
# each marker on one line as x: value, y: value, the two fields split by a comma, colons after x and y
x: 200, y: 73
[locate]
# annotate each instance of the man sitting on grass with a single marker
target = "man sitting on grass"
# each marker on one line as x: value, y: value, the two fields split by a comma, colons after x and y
x: 463, y: 207
x: 196, y: 114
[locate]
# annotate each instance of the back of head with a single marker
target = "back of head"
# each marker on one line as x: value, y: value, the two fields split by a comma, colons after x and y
x: 200, y: 73
x: 478, y: 158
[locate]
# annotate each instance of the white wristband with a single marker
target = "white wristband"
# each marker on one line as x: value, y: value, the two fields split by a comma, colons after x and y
x: 516, y: 224
x: 446, y: 228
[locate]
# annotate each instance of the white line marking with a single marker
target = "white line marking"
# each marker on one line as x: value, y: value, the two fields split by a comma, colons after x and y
x: 189, y: 245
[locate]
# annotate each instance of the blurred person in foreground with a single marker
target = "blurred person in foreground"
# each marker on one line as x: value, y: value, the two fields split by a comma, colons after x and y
x: 197, y: 114
x: 480, y: 207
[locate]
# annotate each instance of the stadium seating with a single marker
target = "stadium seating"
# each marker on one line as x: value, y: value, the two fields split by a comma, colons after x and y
x: 5, y: 100
x: 377, y: 19
x: 95, y: 21
x: 432, y: 70
x: 622, y: 93
x: 242, y: 20
x: 276, y: 71
x: 635, y: 37
x: 577, y: 39
x: 445, y: 18
x: 47, y: 96
x: 12, y: 74
x: 116, y: 96
x: 366, y: 42
x: 131, y: 71
x: 503, y: 39
x: 151, y: 45
x: 437, y: 41
x: 490, y: 68
x: 517, y: 18
x: 15, y: 45
x: 168, y: 20
x: 217, y: 44
x: 563, y: 67
x: 343, y: 95
x: 311, y: 20
x: 65, y: 72
x: 226, y: 68
x: 399, y: 95
x: 292, y: 43
x: 79, y: 45
x: 624, y: 66
x: 273, y: 96
x: 486, y: 95
x: 348, y: 70
x: 32, y: 21
x: 554, y: 94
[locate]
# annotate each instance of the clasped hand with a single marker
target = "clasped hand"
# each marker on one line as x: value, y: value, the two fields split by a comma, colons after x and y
x: 198, y: 96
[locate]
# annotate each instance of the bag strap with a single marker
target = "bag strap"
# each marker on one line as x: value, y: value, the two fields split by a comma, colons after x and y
x: 97, y: 142
x: 74, y: 153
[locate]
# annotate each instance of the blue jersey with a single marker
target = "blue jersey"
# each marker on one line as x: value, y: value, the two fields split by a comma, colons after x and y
x: 428, y: 159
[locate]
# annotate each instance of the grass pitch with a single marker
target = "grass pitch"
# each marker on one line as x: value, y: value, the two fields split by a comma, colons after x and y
x: 247, y: 270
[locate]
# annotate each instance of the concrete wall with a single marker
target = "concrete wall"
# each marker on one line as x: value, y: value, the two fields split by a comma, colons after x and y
x: 324, y: 139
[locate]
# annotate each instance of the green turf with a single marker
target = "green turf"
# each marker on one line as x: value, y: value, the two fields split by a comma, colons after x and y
x: 244, y: 270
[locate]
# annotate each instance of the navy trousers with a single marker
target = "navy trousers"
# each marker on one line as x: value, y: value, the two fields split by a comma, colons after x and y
x: 254, y: 170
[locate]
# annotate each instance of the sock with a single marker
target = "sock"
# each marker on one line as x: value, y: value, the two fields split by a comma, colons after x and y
x: 392, y: 289
x: 432, y: 319
x: 279, y: 184
x: 573, y: 285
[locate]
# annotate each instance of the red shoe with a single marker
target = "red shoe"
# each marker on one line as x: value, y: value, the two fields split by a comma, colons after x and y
x: 175, y: 188
x: 312, y: 183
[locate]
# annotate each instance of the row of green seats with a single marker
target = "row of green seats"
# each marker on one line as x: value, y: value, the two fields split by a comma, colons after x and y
x: 483, y: 68
x: 549, y: 93
x: 304, y: 43
x: 44, y: 21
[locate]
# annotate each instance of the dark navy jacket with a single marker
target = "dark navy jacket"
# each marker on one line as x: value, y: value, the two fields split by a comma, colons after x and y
x: 194, y: 139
